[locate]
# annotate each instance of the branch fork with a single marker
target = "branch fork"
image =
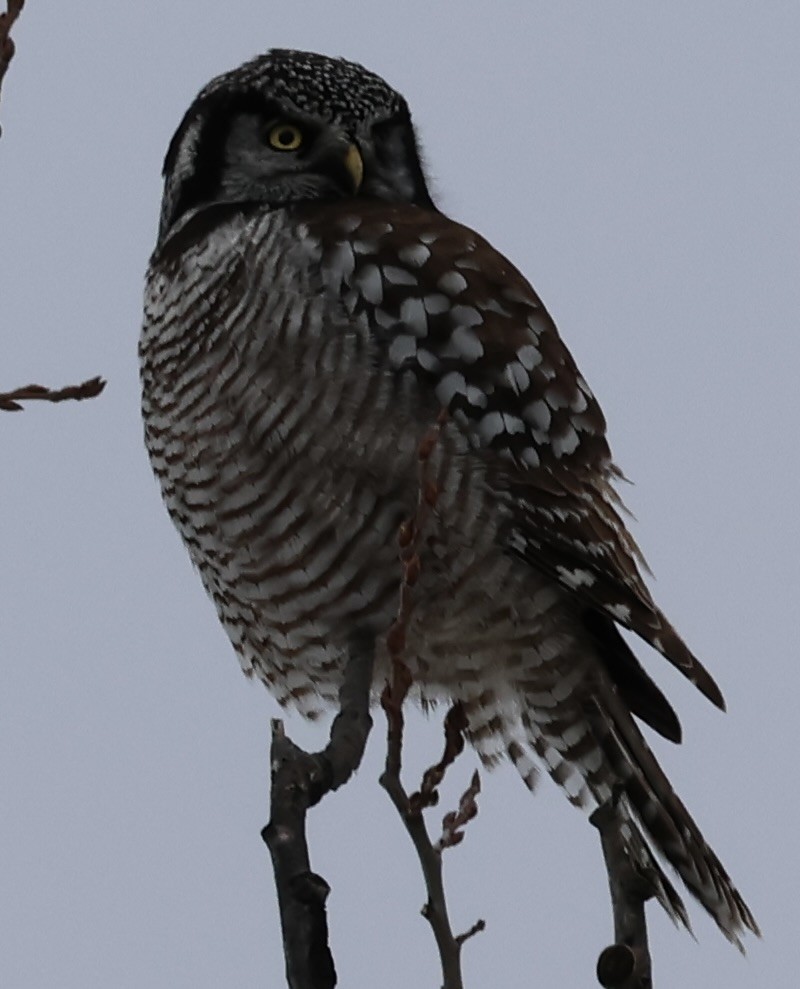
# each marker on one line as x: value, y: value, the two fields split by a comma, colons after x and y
x: 299, y: 781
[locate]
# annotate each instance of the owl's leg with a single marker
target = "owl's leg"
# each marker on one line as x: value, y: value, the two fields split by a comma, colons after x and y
x: 353, y: 722
x: 300, y: 780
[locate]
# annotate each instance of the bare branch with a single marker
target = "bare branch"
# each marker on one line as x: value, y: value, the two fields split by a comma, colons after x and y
x: 300, y: 780
x: 625, y: 964
x: 392, y: 700
x: 296, y: 778
x: 13, y: 10
x: 9, y: 400
x: 430, y: 859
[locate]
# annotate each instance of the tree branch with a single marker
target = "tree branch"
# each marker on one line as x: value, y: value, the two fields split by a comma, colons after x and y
x: 9, y: 400
x: 299, y: 781
x: 410, y: 808
x: 430, y: 854
x: 625, y: 964
x: 13, y: 10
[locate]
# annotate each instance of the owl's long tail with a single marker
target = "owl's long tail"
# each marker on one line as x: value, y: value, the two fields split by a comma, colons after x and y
x: 603, y: 755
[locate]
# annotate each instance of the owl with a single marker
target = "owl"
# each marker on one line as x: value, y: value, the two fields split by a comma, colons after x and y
x: 309, y: 313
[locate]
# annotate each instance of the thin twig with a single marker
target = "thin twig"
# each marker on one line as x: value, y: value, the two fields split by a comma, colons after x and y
x: 9, y: 400
x: 408, y: 538
x: 625, y: 964
x: 13, y: 10
x: 300, y: 780
x: 435, y: 909
x: 477, y: 927
x: 429, y: 854
x: 394, y: 695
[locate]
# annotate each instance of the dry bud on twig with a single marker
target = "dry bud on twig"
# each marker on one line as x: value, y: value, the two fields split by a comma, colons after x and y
x: 454, y: 725
x: 454, y: 822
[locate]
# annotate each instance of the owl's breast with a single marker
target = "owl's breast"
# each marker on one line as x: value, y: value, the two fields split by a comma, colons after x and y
x: 287, y: 453
x: 285, y: 461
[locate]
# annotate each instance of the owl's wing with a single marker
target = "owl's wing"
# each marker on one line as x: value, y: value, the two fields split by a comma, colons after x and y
x: 443, y: 304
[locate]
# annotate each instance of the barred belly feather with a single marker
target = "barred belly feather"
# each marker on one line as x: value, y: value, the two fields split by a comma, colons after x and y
x: 288, y: 465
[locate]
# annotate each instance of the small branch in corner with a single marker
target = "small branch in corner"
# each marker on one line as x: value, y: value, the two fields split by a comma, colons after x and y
x: 10, y: 400
x: 7, y: 49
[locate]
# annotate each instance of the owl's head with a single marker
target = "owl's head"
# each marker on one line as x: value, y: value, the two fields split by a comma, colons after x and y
x: 290, y: 127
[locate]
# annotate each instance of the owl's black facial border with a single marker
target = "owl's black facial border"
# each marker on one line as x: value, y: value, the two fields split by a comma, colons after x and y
x: 218, y: 110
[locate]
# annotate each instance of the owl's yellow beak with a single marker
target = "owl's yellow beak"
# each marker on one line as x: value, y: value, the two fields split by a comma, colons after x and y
x: 354, y: 164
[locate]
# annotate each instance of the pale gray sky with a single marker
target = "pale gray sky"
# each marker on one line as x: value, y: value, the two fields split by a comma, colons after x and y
x: 640, y: 163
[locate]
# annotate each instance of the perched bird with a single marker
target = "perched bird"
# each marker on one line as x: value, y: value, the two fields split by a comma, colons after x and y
x: 309, y: 313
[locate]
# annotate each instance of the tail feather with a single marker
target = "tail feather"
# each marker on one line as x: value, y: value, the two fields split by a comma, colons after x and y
x: 593, y: 749
x: 665, y: 819
x: 575, y: 762
x: 645, y: 862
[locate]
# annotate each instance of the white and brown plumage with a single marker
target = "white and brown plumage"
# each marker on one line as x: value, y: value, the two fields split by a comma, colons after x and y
x: 308, y: 312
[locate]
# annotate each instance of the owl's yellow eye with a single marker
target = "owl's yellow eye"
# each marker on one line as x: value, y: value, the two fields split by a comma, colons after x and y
x: 285, y: 137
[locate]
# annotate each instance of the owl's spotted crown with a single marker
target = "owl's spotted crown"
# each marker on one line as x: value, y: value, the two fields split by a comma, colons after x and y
x: 333, y: 88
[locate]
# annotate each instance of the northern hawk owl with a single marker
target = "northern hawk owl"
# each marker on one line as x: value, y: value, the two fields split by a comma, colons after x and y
x: 309, y: 313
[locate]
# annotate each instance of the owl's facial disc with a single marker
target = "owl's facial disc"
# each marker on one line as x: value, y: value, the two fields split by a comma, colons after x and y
x: 279, y: 160
x: 341, y: 159
x: 336, y: 156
